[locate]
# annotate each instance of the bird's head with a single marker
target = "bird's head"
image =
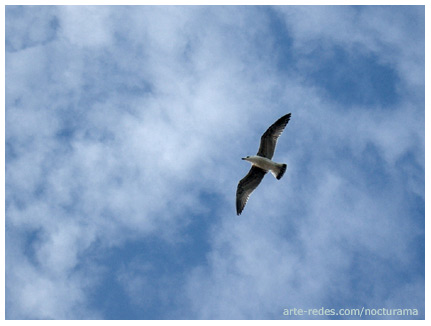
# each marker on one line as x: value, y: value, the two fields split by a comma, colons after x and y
x: 245, y: 158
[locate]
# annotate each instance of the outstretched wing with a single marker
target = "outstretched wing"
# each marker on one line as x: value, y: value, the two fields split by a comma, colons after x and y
x: 246, y: 187
x: 269, y: 138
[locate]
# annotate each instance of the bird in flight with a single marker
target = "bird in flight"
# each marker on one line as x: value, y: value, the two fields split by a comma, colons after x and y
x: 261, y: 163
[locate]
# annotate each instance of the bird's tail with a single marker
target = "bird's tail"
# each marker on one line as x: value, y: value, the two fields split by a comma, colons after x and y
x: 278, y: 172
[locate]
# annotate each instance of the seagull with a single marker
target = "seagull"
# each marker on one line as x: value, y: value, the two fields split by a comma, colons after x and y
x: 261, y: 163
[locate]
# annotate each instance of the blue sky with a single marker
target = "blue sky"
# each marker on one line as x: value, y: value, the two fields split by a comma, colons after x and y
x: 124, y: 132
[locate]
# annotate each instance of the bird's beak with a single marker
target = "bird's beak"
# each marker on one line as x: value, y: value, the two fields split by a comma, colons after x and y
x: 243, y: 158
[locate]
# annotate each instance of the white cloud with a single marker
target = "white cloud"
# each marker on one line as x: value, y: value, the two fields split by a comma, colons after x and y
x: 116, y: 129
x: 29, y: 26
x: 385, y: 32
x: 38, y: 292
x: 86, y: 26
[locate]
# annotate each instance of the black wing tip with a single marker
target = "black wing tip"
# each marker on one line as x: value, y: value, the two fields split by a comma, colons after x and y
x: 283, y: 121
x: 238, y: 203
x: 286, y: 117
x: 238, y: 209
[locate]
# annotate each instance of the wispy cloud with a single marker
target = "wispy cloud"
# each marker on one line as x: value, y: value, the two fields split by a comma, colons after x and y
x: 124, y: 129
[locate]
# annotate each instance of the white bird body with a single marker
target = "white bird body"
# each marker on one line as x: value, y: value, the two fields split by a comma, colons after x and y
x: 266, y: 164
